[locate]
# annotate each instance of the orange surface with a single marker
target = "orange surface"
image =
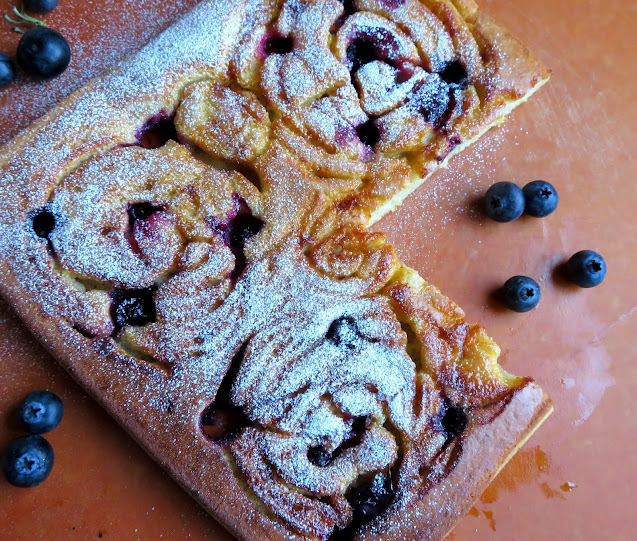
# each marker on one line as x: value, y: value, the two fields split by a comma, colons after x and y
x: 575, y: 479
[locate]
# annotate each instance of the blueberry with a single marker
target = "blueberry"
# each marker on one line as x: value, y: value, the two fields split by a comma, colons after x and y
x: 369, y: 45
x: 521, y: 293
x: 7, y: 73
x: 359, y: 53
x: 40, y: 412
x: 222, y: 423
x: 586, y: 268
x: 371, y: 499
x: 134, y: 307
x: 348, y: 6
x: 541, y: 198
x: 27, y: 461
x: 343, y: 332
x: 43, y: 53
x: 141, y: 211
x: 368, y: 133
x: 433, y: 100
x: 277, y: 44
x: 43, y: 223
x: 239, y: 229
x: 40, y: 6
x: 504, y: 202
x: 157, y: 131
x: 453, y: 420
x: 319, y: 456
x: 454, y: 73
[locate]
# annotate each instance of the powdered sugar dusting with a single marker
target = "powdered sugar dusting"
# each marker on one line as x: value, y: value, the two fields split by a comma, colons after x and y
x: 450, y: 193
x: 321, y: 359
x: 99, y: 39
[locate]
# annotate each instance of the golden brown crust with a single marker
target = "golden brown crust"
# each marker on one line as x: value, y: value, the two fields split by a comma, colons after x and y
x: 452, y: 498
x: 246, y: 280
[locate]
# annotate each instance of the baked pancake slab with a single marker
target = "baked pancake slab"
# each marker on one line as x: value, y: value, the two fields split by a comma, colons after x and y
x: 187, y: 235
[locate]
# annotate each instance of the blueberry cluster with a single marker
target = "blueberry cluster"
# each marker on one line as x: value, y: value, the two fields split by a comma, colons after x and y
x: 42, y: 52
x: 28, y: 460
x: 506, y: 202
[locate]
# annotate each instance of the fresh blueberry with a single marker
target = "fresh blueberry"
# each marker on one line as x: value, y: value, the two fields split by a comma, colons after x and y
x: 7, y: 73
x: 521, y: 293
x: 40, y: 6
x: 541, y: 198
x: 586, y: 268
x: 40, y: 412
x: 504, y: 202
x: 27, y: 461
x: 43, y: 53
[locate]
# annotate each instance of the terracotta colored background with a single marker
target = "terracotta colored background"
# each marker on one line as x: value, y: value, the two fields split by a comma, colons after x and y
x: 575, y: 479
